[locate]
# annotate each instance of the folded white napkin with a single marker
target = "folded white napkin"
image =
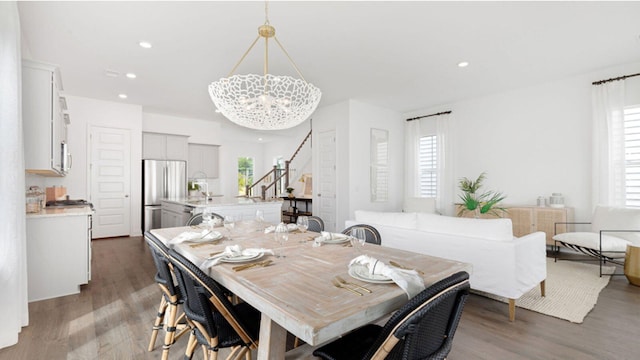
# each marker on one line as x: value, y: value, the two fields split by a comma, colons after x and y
x: 232, y: 251
x: 408, y: 280
x: 325, y: 235
x: 194, y: 235
x: 269, y: 229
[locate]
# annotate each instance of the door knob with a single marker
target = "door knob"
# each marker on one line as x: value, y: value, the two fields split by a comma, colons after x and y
x: 126, y: 196
x: 319, y: 195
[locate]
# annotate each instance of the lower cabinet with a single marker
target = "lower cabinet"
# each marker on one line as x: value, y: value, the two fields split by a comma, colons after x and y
x: 58, y: 255
x: 528, y: 219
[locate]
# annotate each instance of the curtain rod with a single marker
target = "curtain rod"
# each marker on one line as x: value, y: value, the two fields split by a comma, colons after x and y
x: 614, y: 79
x: 436, y: 114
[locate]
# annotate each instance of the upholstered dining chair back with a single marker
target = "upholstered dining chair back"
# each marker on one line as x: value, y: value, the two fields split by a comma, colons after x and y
x: 217, y: 322
x: 372, y: 236
x: 315, y: 224
x: 421, y: 329
x: 197, y: 218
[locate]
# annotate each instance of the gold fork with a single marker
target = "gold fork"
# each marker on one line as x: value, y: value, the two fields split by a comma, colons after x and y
x: 343, y: 281
x: 337, y: 284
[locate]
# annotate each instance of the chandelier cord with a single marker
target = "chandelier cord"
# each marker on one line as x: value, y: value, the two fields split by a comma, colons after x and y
x: 244, y: 56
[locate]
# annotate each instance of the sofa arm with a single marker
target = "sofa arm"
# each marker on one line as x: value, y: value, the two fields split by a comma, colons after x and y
x: 531, y: 258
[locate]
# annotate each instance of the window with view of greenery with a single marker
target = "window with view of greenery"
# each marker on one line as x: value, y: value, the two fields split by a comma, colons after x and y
x: 245, y: 174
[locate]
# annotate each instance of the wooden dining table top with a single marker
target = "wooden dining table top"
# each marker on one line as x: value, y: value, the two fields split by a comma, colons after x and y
x: 296, y: 294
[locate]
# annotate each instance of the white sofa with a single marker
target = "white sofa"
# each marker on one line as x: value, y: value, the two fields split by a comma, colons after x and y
x: 502, y: 264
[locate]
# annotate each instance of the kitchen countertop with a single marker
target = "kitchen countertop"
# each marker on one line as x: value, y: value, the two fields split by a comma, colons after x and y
x: 64, y: 211
x: 220, y: 201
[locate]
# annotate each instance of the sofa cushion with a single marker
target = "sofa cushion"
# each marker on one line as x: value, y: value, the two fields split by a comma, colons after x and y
x: 592, y: 241
x: 397, y: 219
x: 617, y: 218
x: 489, y: 229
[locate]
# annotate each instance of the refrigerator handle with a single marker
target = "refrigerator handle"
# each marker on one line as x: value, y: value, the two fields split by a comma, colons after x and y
x: 165, y: 175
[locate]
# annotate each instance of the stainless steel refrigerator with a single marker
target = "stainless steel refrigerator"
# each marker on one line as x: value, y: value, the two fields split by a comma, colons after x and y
x: 161, y: 179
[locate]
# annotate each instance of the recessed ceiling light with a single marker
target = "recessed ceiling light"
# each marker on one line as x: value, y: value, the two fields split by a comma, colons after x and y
x: 122, y: 96
x: 218, y: 110
x: 259, y: 139
x: 463, y: 64
x: 131, y: 75
x: 145, y: 44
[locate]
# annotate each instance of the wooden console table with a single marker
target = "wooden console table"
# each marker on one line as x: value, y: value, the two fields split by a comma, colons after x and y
x: 292, y: 216
x: 527, y: 219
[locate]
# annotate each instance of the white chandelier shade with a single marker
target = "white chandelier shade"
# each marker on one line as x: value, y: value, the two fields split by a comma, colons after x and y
x: 265, y: 102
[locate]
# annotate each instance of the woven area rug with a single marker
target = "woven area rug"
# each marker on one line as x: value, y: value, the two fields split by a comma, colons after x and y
x: 572, y: 290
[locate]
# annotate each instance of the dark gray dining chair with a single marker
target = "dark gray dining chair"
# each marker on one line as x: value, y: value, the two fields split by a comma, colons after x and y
x: 197, y: 219
x: 171, y: 298
x: 422, y: 329
x: 372, y: 236
x: 216, y: 322
x: 315, y: 224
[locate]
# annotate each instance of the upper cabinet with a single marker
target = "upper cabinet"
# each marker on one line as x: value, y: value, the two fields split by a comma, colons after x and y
x: 158, y: 146
x: 45, y: 120
x: 203, y: 161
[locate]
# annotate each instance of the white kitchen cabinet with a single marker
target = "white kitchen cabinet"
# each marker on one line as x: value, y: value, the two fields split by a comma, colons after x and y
x: 203, y: 159
x: 158, y: 146
x: 58, y: 255
x: 44, y: 119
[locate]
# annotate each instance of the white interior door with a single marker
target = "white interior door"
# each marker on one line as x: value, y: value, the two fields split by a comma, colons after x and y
x: 326, y: 196
x: 110, y: 181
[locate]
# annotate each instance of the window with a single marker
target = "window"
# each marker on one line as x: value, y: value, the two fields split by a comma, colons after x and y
x: 632, y: 155
x: 427, y: 166
x: 245, y: 174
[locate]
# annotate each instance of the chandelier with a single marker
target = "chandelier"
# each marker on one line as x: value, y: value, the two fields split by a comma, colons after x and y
x: 265, y: 102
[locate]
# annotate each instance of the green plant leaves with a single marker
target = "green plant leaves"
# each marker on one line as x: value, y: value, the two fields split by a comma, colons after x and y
x: 486, y: 202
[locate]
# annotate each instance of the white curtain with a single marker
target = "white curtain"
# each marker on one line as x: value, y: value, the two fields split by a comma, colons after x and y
x: 608, y: 144
x: 411, y: 135
x: 444, y: 196
x: 13, y: 265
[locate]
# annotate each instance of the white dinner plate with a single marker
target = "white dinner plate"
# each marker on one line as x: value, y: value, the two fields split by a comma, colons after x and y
x: 361, y: 273
x: 215, y: 235
x: 337, y: 239
x: 247, y: 255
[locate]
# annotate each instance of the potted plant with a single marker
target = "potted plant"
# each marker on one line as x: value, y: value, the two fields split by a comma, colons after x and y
x: 290, y: 192
x: 479, y: 202
x: 193, y: 188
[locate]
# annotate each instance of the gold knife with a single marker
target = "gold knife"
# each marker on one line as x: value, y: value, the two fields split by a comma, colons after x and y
x: 249, y: 266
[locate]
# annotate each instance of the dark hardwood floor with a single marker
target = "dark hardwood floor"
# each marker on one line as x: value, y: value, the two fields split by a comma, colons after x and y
x: 111, y: 319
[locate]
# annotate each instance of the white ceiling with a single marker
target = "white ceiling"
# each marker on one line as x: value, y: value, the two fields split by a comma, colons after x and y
x: 399, y: 55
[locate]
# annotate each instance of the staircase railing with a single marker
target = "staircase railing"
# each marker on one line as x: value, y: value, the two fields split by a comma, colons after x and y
x: 273, y: 188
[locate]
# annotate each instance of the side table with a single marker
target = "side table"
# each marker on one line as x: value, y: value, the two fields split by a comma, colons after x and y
x: 632, y: 264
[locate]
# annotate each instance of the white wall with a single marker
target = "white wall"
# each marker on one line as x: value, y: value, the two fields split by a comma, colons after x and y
x: 531, y: 141
x: 352, y: 121
x: 84, y: 113
x: 362, y: 118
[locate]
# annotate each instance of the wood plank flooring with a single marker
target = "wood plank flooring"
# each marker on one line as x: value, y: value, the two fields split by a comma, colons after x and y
x: 111, y: 319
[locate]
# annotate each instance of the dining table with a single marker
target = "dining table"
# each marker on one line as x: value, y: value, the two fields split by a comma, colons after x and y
x: 297, y: 293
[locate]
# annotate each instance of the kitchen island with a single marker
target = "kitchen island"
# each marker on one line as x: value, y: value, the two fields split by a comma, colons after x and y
x: 58, y: 251
x: 176, y: 212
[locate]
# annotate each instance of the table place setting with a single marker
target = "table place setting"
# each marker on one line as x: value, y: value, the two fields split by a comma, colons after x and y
x: 197, y: 237
x: 330, y: 238
x: 369, y: 269
x: 235, y: 254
